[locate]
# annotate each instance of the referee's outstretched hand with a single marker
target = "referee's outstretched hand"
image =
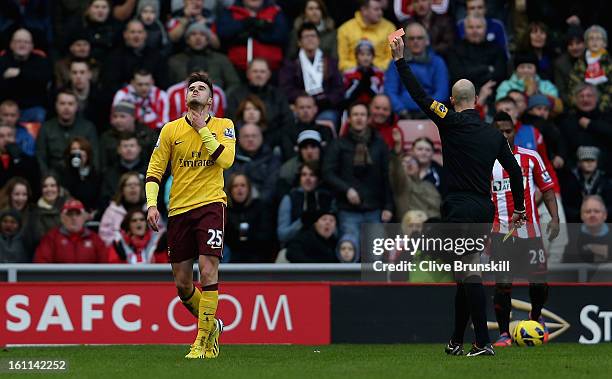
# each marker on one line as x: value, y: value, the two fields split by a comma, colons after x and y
x: 397, y: 48
x: 153, y: 218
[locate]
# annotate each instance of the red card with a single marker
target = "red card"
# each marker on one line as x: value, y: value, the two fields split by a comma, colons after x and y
x: 398, y: 33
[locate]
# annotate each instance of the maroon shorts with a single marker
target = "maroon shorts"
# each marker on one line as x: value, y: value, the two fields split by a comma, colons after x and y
x: 196, y: 232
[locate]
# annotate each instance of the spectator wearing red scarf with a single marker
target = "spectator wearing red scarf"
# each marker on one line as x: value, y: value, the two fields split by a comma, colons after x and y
x: 136, y: 243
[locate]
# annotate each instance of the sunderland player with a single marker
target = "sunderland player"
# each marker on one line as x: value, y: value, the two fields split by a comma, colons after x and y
x: 200, y: 147
x: 523, y: 247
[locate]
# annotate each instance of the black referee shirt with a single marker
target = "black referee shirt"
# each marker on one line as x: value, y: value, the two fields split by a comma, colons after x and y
x: 469, y: 145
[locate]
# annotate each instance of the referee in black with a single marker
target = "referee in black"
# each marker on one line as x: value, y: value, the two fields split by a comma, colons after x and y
x: 469, y: 149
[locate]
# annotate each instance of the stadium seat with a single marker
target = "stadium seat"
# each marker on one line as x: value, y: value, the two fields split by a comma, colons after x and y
x: 414, y: 129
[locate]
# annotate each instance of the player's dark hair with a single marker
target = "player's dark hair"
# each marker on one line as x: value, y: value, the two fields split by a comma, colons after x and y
x: 502, y: 116
x: 307, y: 26
x: 200, y: 77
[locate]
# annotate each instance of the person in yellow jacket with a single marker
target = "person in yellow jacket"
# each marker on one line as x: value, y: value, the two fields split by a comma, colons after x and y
x: 369, y: 24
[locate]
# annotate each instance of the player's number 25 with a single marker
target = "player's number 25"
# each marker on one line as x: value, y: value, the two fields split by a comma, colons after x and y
x: 216, y: 238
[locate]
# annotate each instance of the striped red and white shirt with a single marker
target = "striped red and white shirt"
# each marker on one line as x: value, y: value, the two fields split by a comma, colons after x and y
x: 178, y: 106
x: 535, y: 176
x: 151, y: 111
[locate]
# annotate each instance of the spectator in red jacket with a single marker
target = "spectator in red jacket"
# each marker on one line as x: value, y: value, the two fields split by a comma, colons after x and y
x: 71, y: 242
x: 136, y: 243
x: 253, y: 29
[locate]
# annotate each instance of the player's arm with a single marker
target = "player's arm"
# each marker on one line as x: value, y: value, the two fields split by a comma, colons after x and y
x: 223, y: 150
x: 545, y: 185
x: 157, y: 166
x: 506, y: 159
x: 435, y: 110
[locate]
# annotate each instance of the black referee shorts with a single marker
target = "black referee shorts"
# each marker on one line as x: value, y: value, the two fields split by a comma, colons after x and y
x: 468, y: 207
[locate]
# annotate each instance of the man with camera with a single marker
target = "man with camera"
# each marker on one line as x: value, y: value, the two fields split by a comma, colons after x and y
x: 55, y: 133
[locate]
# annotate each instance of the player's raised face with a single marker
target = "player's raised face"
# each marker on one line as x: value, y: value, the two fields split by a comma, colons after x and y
x: 507, y: 129
x: 198, y: 94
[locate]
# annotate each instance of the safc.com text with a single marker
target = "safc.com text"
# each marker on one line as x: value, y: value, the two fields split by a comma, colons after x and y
x: 412, y: 245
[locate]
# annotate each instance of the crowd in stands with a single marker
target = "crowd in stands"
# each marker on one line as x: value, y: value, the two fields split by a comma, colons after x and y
x: 328, y: 138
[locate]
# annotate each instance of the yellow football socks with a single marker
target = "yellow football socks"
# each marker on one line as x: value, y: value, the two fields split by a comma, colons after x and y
x: 208, y: 309
x: 193, y: 302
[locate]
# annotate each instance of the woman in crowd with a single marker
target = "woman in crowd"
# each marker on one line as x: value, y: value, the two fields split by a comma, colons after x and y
x: 249, y: 233
x: 130, y: 195
x: 136, y: 242
x: 50, y: 203
x: 410, y: 188
x: 595, y: 67
x: 536, y: 40
x: 298, y: 206
x: 80, y: 177
x: 17, y: 195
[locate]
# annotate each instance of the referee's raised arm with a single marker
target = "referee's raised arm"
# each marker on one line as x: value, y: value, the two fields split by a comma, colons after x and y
x: 435, y: 110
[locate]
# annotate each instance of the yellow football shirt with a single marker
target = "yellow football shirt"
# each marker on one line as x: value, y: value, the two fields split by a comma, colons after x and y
x: 198, y: 175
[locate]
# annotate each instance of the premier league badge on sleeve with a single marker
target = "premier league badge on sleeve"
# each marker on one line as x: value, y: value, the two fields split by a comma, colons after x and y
x: 229, y: 132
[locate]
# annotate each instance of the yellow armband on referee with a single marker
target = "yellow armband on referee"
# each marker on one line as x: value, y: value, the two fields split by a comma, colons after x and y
x: 152, y: 190
x: 210, y: 142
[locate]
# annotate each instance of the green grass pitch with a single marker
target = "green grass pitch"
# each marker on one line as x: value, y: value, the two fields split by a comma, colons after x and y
x: 557, y: 360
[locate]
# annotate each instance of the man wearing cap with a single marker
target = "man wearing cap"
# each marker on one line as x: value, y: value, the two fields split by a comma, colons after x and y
x: 314, y: 73
x: 564, y: 64
x: 123, y: 120
x: 71, y: 242
x: 526, y: 80
x: 583, y: 180
x: 198, y: 53
x: 55, y: 133
x: 428, y: 67
x: 309, y: 150
x: 150, y: 101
